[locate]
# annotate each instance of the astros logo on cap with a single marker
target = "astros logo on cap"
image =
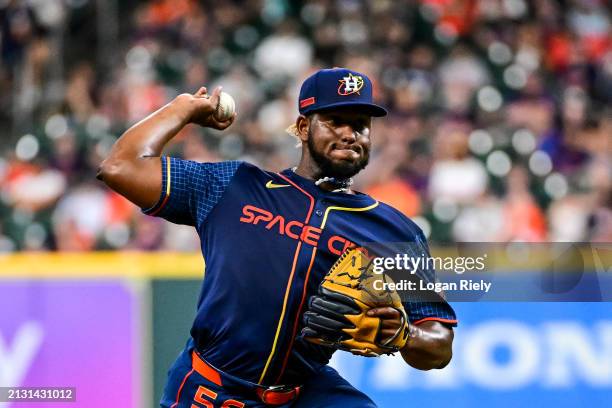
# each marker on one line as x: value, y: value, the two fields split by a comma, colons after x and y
x: 350, y: 84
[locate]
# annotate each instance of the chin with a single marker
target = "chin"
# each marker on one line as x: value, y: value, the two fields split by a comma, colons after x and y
x: 344, y: 169
x: 330, y: 166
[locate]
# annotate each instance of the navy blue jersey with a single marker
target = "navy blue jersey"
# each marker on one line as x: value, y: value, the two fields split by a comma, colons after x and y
x: 267, y: 240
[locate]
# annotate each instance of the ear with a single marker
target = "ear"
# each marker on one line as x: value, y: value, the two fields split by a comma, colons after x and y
x: 301, y: 124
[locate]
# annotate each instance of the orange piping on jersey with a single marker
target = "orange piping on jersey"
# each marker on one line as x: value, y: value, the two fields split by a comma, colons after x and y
x: 305, y: 193
x: 178, y: 394
x: 168, y: 178
x: 206, y: 371
x: 297, y: 316
x: 288, y: 288
x: 282, y: 316
x: 299, y: 312
x: 437, y: 319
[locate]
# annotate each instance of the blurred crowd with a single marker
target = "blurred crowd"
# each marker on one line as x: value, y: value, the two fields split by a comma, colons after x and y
x: 500, y: 125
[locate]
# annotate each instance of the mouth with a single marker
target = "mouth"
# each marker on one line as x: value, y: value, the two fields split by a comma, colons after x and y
x: 344, y: 152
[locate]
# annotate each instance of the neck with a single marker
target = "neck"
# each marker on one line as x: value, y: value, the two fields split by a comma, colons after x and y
x: 312, y: 172
x: 307, y: 171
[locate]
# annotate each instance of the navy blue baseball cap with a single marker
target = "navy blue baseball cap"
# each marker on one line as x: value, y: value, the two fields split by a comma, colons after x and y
x: 337, y: 87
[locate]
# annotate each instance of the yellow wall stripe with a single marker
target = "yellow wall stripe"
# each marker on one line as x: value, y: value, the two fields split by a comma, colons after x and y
x: 101, y: 265
x: 181, y: 265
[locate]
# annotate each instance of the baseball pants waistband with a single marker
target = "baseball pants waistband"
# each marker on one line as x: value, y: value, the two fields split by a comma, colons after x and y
x: 273, y: 395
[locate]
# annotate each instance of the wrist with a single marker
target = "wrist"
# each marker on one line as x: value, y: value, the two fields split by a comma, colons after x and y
x: 413, y: 335
x: 183, y: 107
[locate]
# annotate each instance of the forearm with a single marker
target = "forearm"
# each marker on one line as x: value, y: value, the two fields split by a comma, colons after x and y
x: 429, y: 346
x: 148, y: 137
x: 133, y: 168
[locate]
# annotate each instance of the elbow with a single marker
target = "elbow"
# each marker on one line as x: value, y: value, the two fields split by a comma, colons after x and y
x: 435, y: 361
x: 110, y: 169
x: 444, y: 353
x: 444, y: 359
x: 432, y: 349
x: 444, y: 347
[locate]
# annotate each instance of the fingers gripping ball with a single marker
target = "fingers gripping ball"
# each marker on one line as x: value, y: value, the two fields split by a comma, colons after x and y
x: 225, y: 108
x: 337, y: 315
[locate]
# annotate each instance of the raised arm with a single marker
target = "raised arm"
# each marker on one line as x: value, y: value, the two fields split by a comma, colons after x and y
x: 133, y: 168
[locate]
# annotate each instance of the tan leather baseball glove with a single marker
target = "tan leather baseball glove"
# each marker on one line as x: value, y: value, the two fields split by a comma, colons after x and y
x: 337, y: 315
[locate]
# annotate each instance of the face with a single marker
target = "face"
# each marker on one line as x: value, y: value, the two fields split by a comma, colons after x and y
x: 339, y: 142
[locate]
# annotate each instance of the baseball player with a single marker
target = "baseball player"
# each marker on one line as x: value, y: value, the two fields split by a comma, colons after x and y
x: 268, y: 240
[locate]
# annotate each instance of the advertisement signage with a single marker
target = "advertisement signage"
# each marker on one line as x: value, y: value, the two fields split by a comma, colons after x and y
x: 505, y: 355
x: 77, y: 334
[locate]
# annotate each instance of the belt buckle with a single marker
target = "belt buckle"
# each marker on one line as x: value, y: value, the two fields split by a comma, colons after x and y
x: 268, y: 395
x: 280, y: 388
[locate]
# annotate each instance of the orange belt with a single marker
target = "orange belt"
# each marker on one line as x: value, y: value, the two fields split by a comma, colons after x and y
x: 274, y: 395
x: 278, y: 395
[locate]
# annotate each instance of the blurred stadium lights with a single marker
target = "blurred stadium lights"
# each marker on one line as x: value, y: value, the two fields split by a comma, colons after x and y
x: 555, y: 186
x: 480, y: 142
x: 27, y: 147
x: 540, y: 163
x: 523, y: 141
x: 499, y: 163
x: 489, y: 99
x: 499, y: 53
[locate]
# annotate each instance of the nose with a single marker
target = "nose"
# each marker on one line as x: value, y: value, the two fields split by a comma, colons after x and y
x: 348, y: 134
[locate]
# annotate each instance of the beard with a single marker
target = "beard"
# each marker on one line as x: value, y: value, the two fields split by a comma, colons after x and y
x: 339, y: 169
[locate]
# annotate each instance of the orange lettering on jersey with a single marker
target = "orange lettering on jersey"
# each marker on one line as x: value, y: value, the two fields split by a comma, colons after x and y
x: 310, y: 235
x: 293, y: 229
x: 337, y: 245
x: 249, y: 212
x: 290, y: 233
x: 267, y: 216
x: 204, y: 392
x: 280, y: 220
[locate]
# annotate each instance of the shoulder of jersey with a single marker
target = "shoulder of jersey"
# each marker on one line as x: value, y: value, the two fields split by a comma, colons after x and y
x: 268, y: 179
x: 411, y: 225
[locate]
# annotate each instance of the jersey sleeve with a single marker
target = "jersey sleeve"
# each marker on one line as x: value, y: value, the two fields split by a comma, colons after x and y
x: 441, y: 311
x: 421, y: 311
x: 190, y: 189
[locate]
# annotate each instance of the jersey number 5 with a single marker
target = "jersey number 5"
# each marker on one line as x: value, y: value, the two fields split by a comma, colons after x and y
x: 211, y: 395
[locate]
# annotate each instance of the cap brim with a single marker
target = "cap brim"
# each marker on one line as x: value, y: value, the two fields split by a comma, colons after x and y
x: 369, y: 108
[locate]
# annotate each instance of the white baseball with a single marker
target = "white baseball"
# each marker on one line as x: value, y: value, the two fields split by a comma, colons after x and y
x: 225, y: 108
